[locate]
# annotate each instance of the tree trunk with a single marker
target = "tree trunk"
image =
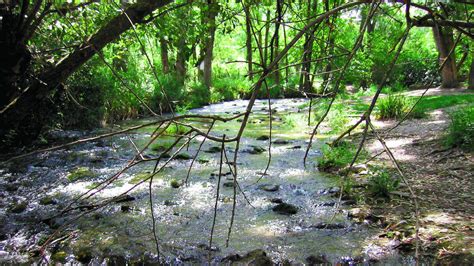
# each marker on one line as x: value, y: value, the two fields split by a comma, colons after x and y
x: 471, y: 76
x: 444, y: 43
x: 305, y: 77
x: 164, y: 56
x: 276, y: 39
x: 28, y: 110
x: 212, y: 11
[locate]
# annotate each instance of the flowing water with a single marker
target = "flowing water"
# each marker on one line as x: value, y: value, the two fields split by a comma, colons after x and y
x: 184, y: 215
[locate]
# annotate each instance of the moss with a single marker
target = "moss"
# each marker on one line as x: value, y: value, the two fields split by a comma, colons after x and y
x: 139, y: 177
x: 59, y: 256
x: 80, y: 173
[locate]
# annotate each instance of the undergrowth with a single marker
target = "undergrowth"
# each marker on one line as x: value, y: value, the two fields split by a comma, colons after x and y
x: 382, y: 183
x: 394, y: 106
x: 461, y: 129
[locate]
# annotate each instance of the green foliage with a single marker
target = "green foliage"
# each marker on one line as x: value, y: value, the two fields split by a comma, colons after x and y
x: 381, y: 183
x: 294, y: 120
x: 338, y: 157
x: 461, y: 128
x: 394, y: 106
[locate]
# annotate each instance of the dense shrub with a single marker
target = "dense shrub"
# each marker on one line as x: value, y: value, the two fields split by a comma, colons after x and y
x: 381, y: 184
x: 394, y: 106
x: 461, y: 128
x: 335, y: 158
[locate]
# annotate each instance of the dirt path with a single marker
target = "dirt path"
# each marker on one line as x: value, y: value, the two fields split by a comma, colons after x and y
x: 442, y: 180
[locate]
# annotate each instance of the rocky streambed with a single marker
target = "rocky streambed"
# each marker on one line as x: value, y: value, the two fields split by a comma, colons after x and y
x: 284, y: 216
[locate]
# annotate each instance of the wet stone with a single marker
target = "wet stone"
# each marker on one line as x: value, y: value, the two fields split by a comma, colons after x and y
x: 332, y: 226
x: 125, y: 198
x: 125, y: 208
x: 276, y: 200
x: 255, y: 257
x: 316, y: 260
x: 269, y: 187
x: 285, y: 209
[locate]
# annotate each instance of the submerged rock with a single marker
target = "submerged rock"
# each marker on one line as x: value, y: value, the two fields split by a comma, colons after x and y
x: 18, y: 207
x: 175, y: 183
x: 269, y: 187
x: 80, y: 173
x: 255, y: 257
x: 228, y: 184
x: 263, y: 137
x: 183, y: 156
x: 333, y: 226
x: 256, y: 150
x: 276, y: 200
x: 285, y: 209
x: 125, y: 198
x: 280, y: 141
x: 214, y: 149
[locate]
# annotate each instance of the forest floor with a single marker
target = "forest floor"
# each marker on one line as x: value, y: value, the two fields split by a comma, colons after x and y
x: 441, y: 179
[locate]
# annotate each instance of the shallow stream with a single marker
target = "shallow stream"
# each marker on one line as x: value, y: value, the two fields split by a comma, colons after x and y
x: 123, y: 231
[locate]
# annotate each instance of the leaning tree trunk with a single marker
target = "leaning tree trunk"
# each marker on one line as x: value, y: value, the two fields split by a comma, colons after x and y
x: 471, y: 76
x: 28, y: 103
x: 248, y: 41
x: 444, y: 43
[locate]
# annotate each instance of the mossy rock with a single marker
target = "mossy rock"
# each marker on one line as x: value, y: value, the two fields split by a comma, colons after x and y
x: 214, y: 149
x: 18, y: 207
x: 183, y: 156
x: 80, y: 173
x: 263, y: 137
x: 202, y: 160
x: 285, y: 209
x: 83, y: 255
x: 59, y: 256
x: 47, y: 200
x: 256, y: 150
x: 175, y: 183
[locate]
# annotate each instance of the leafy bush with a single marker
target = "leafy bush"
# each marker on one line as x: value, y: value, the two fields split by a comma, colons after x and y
x: 381, y: 184
x: 335, y: 158
x: 393, y: 106
x: 461, y: 129
x: 198, y: 95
